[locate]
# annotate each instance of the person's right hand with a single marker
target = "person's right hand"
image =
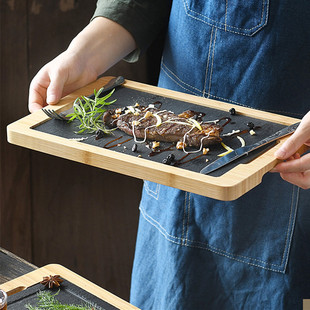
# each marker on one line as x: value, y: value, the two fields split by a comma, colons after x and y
x: 100, y: 45
x: 295, y: 168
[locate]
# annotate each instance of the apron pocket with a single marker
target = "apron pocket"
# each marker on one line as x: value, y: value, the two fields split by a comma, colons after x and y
x: 239, y: 17
x: 255, y: 229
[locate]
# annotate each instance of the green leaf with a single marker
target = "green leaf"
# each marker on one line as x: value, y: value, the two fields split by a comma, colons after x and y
x: 89, y: 112
x: 46, y: 301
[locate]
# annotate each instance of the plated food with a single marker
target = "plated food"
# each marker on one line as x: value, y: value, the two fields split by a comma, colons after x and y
x: 125, y: 154
x: 153, y: 124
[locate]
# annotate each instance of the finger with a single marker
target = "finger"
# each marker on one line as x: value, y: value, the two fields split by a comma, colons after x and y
x: 295, y: 156
x: 55, y: 89
x: 37, y: 96
x: 301, y: 179
x: 296, y: 140
x: 296, y: 164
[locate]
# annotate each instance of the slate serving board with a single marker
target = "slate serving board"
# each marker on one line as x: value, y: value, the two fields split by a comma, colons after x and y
x: 129, y: 97
x: 55, y: 137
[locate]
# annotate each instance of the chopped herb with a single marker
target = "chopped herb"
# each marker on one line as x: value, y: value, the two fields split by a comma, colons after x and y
x: 89, y: 112
x: 99, y: 134
x: 47, y: 300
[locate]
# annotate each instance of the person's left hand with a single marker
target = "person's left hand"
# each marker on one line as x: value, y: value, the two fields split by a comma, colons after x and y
x: 295, y: 168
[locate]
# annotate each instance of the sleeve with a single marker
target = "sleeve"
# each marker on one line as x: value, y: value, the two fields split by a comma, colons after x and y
x: 144, y: 19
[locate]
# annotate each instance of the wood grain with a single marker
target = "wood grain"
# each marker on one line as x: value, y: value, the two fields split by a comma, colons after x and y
x: 15, y: 202
x: 82, y: 219
x: 229, y: 186
x: 12, y: 266
x: 33, y: 33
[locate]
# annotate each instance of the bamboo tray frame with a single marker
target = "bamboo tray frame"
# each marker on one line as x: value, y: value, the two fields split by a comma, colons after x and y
x: 229, y: 186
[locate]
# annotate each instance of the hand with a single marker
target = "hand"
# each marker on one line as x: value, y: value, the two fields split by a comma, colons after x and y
x: 95, y: 49
x: 296, y: 168
x: 58, y: 78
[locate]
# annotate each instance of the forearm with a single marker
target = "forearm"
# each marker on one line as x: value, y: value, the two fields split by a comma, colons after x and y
x: 101, y: 44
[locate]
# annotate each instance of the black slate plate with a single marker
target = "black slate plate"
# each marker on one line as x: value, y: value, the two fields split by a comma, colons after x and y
x: 68, y: 293
x: 127, y: 97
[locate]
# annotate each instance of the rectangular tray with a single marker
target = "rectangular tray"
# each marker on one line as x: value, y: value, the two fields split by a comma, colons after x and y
x: 74, y: 290
x: 38, y: 132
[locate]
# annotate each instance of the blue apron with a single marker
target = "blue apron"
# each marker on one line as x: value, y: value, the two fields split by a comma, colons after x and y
x: 194, y: 252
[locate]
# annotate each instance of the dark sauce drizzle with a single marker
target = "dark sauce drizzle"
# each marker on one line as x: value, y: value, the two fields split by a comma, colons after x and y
x: 228, y: 120
x: 120, y: 143
x: 157, y: 151
x: 197, y: 116
x: 180, y: 161
x: 158, y: 103
x: 107, y: 146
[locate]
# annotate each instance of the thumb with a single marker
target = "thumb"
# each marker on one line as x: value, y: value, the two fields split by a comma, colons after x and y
x: 55, y: 89
x: 295, y: 141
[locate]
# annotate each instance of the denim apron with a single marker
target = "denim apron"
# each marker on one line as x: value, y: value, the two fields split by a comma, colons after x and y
x: 194, y: 252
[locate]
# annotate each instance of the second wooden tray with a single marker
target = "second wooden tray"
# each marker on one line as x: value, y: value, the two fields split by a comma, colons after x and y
x: 76, y: 289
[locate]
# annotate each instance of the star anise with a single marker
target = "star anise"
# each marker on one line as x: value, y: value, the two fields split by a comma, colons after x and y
x: 52, y: 281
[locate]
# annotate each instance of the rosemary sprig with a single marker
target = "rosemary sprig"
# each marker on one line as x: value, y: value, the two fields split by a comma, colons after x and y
x: 47, y: 301
x: 89, y: 112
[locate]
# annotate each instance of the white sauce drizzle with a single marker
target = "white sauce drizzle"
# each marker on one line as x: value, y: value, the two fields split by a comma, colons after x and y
x: 201, y: 141
x: 79, y: 139
x: 176, y: 120
x: 213, y: 122
x: 231, y: 133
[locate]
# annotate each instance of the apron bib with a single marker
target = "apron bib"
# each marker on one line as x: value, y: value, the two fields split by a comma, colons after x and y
x: 194, y: 252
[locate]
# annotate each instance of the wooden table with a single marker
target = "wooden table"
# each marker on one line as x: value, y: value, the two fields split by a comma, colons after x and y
x: 12, y: 266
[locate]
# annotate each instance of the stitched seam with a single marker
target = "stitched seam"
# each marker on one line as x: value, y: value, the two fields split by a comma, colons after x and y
x: 199, y: 244
x: 262, y: 23
x: 166, y: 69
x: 293, y: 227
x: 207, y: 69
x: 184, y: 218
x: 158, y: 225
x: 217, y: 250
x: 287, y: 243
x: 247, y: 106
x: 210, y: 80
x: 151, y: 193
x: 289, y: 225
x: 215, y: 21
x: 188, y: 215
x: 166, y: 236
x: 226, y: 6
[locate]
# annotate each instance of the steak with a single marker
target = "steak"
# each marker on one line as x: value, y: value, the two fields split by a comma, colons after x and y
x: 153, y: 124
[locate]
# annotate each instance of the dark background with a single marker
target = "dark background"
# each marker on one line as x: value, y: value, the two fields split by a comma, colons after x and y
x: 53, y: 210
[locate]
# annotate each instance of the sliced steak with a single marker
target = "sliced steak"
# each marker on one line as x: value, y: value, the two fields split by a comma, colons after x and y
x: 153, y: 124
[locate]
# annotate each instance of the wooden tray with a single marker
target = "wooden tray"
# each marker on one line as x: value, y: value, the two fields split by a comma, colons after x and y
x: 20, y: 284
x: 228, y: 186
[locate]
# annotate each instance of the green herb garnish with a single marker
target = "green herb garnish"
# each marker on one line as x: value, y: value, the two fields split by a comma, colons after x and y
x: 89, y: 112
x: 47, y: 301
